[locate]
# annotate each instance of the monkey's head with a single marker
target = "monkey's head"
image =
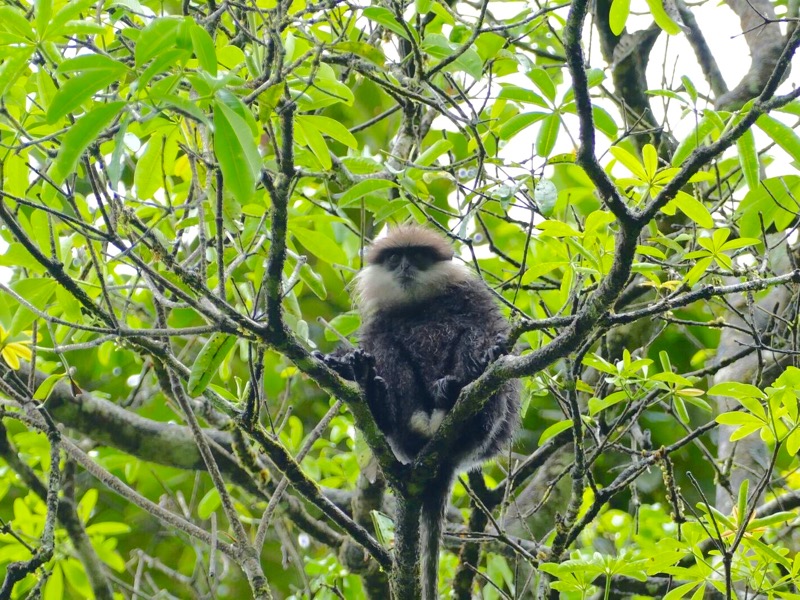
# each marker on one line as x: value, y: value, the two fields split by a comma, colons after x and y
x: 411, y: 265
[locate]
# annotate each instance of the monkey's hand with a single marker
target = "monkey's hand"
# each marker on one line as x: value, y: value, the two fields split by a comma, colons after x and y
x: 358, y: 366
x: 342, y: 364
x: 499, y: 348
x: 374, y: 386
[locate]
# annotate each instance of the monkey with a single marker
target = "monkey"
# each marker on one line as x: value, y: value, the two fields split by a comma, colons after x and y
x: 430, y: 326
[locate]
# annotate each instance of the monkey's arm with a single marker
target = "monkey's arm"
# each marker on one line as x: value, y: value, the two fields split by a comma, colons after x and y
x: 359, y: 366
x: 471, y: 364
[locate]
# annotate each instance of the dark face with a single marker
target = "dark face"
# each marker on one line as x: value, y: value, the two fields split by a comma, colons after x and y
x: 407, y: 263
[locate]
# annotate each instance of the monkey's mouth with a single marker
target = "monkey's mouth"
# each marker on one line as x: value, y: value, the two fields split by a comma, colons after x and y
x: 406, y: 280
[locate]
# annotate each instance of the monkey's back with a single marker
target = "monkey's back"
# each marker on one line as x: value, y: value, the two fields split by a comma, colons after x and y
x: 416, y: 347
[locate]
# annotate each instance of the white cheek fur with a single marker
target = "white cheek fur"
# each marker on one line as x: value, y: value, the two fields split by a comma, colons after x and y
x: 376, y: 288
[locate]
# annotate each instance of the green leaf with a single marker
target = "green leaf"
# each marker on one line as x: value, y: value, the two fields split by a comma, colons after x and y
x: 184, y: 106
x: 748, y: 159
x: 385, y: 17
x: 604, y: 122
x: 68, y: 12
x: 115, y: 165
x: 308, y: 135
x: 108, y: 528
x: 735, y: 389
x: 694, y: 209
x: 363, y: 50
x: 44, y: 11
x: 209, y: 503
x: 79, y: 136
x: 14, y: 21
x: 203, y: 47
x: 42, y: 393
x: 661, y: 17
x: 320, y: 245
x: 555, y: 228
x: 697, y: 271
x: 520, y: 94
x: 436, y: 149
x: 208, y: 361
x: 314, y: 281
x: 773, y: 201
x: 630, y: 161
x: 163, y: 62
x: 470, y: 62
x: 330, y: 127
x: 80, y: 88
x: 687, y: 145
x: 384, y: 526
x: 793, y: 442
x: 91, y: 62
x: 542, y: 80
x: 618, y: 15
x: 362, y: 188
x: 147, y: 177
x: 774, y: 519
x: 548, y: 134
x: 16, y: 61
x: 519, y: 122
x: 781, y: 134
x: 650, y: 161
x: 158, y: 37
x: 422, y: 6
x: 233, y: 102
x: 772, y: 556
x: 741, y: 499
x: 54, y: 588
x: 236, y: 152
x: 344, y: 324
x: 554, y: 430
x: 598, y: 404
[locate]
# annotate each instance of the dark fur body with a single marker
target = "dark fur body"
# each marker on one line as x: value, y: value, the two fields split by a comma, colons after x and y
x: 426, y: 353
x: 429, y: 328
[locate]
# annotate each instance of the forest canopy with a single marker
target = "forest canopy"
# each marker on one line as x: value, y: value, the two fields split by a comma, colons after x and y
x: 187, y: 190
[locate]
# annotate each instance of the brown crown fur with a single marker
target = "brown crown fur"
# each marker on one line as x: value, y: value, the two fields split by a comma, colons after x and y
x: 410, y: 236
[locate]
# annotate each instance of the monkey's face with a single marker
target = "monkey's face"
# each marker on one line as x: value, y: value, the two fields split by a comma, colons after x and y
x: 404, y: 276
x: 408, y: 266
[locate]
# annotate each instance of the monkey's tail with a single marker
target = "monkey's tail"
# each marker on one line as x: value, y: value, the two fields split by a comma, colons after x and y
x: 434, y: 505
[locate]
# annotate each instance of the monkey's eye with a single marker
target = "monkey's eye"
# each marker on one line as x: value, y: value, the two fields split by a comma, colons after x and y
x: 421, y: 258
x: 392, y: 261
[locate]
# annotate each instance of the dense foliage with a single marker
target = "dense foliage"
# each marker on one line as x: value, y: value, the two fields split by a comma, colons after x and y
x: 185, y: 192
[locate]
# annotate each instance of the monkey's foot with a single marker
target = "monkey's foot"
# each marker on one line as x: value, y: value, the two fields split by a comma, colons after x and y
x: 445, y: 392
